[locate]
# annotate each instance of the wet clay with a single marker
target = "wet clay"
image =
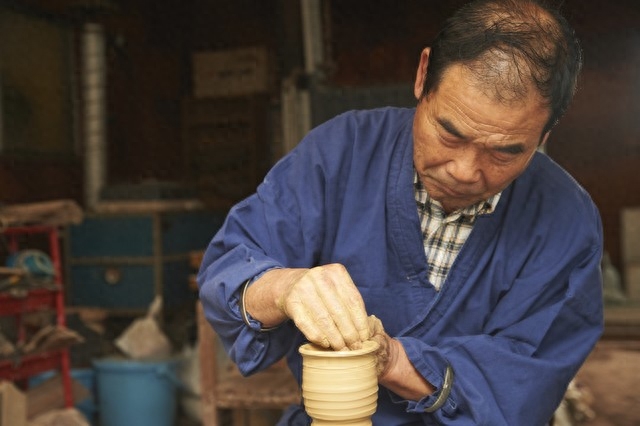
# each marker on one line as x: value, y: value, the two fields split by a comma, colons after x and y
x: 339, y: 387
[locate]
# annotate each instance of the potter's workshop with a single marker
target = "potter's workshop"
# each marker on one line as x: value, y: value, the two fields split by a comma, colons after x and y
x: 319, y: 213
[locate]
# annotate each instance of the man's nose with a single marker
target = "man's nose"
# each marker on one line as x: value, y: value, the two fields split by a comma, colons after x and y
x: 465, y: 166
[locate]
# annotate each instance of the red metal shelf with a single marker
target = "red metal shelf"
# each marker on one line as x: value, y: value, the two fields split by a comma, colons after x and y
x: 10, y: 305
x: 34, y: 300
x: 30, y: 365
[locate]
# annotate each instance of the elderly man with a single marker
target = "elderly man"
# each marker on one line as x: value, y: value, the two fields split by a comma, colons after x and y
x: 440, y: 232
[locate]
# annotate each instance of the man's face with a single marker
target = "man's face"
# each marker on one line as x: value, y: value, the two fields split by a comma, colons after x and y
x: 467, y: 145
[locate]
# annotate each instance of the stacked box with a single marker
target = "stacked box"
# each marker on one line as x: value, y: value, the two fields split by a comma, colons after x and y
x: 227, y: 147
x: 630, y: 237
x: 229, y: 73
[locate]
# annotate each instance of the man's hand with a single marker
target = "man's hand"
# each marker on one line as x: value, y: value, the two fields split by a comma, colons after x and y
x: 394, y: 368
x: 386, y: 350
x: 326, y: 307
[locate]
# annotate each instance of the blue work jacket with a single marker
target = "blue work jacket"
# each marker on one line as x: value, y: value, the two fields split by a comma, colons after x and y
x: 517, y: 315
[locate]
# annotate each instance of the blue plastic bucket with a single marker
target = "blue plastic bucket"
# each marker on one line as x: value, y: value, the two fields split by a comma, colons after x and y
x: 140, y: 393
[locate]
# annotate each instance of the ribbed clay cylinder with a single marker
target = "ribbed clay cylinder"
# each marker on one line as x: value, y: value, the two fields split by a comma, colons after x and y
x: 339, y: 387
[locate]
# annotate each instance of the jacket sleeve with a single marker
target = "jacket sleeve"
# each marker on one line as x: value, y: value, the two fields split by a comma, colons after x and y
x: 517, y: 371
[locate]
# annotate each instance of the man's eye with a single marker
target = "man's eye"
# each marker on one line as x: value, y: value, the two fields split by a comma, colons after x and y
x: 510, y: 150
x: 503, y: 157
x: 448, y: 139
x: 507, y: 155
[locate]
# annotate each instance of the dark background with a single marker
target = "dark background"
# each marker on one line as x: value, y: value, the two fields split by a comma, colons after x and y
x: 368, y: 43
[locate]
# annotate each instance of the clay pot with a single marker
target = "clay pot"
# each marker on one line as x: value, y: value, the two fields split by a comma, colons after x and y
x: 339, y: 387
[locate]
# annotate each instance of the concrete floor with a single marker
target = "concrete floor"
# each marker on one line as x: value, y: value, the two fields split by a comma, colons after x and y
x: 610, y: 378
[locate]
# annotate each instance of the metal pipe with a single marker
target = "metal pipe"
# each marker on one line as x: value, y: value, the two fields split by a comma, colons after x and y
x: 94, y: 112
x: 311, y: 12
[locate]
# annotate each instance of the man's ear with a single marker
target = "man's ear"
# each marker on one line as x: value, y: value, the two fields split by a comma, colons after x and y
x: 544, y: 139
x: 421, y: 73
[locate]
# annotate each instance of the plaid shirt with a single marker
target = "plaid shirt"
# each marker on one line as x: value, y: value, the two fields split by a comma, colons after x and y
x: 442, y: 235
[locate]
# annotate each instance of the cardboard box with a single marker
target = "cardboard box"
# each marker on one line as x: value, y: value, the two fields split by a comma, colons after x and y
x: 49, y: 396
x: 227, y: 73
x: 226, y: 143
x: 13, y: 405
x: 632, y: 281
x: 630, y: 234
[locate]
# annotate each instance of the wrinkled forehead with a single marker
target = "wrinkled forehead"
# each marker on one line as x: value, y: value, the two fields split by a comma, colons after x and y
x: 488, y: 102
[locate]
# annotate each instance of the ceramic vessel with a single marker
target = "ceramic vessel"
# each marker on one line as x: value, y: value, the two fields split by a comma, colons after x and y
x: 339, y: 387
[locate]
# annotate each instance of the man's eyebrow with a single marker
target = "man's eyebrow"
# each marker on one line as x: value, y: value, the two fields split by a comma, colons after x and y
x: 516, y: 148
x: 449, y: 127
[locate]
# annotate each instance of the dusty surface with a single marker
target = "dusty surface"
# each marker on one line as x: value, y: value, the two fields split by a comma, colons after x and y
x: 611, y: 375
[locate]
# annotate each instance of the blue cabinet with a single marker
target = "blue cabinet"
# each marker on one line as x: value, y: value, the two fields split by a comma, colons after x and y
x: 121, y: 261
